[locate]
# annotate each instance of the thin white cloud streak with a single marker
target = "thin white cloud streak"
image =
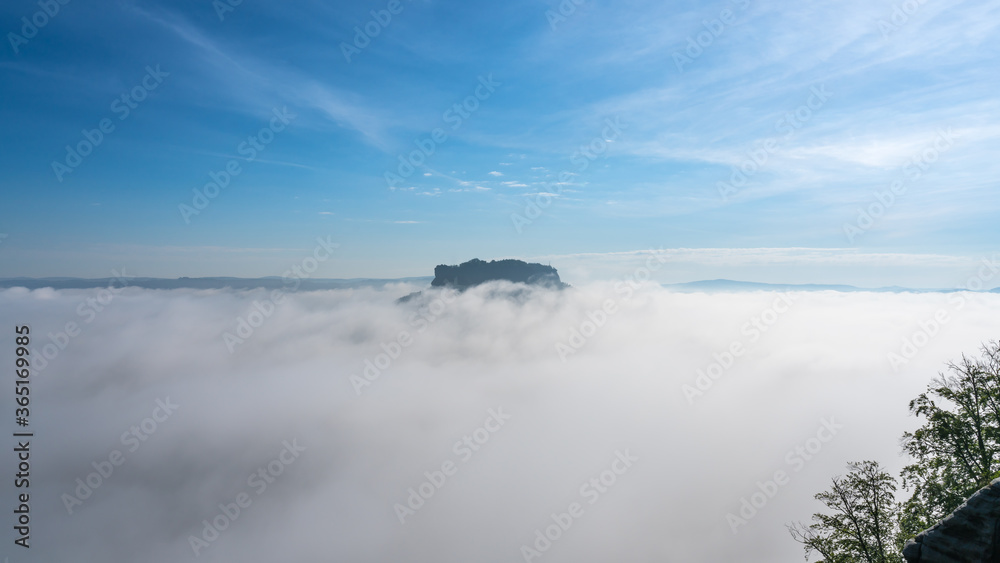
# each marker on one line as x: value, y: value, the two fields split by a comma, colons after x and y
x: 779, y: 255
x: 258, y: 83
x: 729, y: 98
x: 774, y: 265
x: 826, y: 356
x: 782, y: 266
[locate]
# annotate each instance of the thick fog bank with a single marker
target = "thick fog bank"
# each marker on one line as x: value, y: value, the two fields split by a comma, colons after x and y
x: 599, y: 423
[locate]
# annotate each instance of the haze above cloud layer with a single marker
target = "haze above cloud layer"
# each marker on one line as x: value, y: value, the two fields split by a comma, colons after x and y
x: 808, y: 357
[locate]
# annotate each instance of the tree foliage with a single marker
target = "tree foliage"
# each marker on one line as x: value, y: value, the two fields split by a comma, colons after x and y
x: 863, y: 525
x: 957, y: 450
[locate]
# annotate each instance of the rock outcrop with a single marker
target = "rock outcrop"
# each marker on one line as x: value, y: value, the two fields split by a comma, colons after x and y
x: 475, y: 272
x: 968, y: 535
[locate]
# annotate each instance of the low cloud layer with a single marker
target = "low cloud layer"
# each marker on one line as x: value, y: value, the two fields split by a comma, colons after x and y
x: 340, y: 424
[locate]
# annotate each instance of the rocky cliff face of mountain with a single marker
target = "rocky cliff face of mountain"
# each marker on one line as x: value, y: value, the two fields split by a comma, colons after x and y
x: 969, y: 535
x: 475, y: 272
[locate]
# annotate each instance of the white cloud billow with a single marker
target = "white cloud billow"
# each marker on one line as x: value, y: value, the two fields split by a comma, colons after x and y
x: 823, y: 356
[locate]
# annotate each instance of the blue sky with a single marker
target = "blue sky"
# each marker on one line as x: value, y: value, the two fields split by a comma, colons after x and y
x: 835, y: 100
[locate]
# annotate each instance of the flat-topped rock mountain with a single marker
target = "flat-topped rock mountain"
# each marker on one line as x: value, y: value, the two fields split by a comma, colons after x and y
x: 476, y: 271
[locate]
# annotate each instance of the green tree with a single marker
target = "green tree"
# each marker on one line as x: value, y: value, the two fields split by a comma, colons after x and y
x: 863, y: 525
x: 957, y: 450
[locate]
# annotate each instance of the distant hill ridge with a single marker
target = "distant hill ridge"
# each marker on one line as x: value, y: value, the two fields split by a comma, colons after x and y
x: 536, y: 273
x: 274, y: 282
x: 722, y: 285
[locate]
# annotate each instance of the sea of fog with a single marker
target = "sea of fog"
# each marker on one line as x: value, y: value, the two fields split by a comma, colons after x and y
x: 600, y: 423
